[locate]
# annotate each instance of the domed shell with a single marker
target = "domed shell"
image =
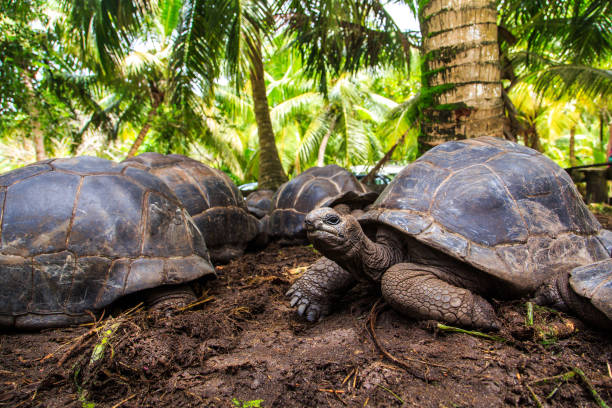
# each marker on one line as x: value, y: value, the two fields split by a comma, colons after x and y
x: 78, y: 233
x: 499, y: 206
x: 212, y: 199
x: 259, y: 203
x: 316, y: 187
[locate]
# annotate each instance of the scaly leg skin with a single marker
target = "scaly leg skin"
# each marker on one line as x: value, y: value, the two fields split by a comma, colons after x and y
x: 169, y: 297
x: 317, y: 289
x: 556, y: 292
x: 415, y: 291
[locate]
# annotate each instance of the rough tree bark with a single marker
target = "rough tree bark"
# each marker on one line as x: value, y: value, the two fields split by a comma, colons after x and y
x: 37, y: 132
x: 271, y: 173
x: 157, y: 98
x: 370, y: 176
x: 462, y: 70
x: 572, y: 146
x: 143, y: 132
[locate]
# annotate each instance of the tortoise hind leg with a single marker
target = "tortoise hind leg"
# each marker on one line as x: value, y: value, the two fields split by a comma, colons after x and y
x: 561, y: 293
x: 416, y: 291
x: 168, y: 297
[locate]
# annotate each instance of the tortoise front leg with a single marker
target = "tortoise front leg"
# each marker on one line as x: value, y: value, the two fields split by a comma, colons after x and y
x: 416, y: 291
x: 317, y: 289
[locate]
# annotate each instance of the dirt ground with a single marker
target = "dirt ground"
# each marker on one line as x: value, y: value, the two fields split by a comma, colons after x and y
x: 242, y: 346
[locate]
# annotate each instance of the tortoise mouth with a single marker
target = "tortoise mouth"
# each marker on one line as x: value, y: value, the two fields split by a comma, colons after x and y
x: 324, y: 234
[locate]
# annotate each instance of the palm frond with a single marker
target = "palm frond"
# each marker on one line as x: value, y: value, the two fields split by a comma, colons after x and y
x: 234, y: 104
x: 562, y: 80
x: 170, y: 12
x: 247, y: 21
x: 316, y: 130
x: 334, y: 36
x: 356, y: 141
x: 287, y: 110
x: 198, y: 49
x: 227, y: 153
x: 106, y: 27
x: 399, y: 120
x: 577, y: 32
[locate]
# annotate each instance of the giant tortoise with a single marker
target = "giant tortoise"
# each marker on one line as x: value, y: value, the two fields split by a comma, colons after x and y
x: 472, y: 218
x: 330, y: 185
x: 259, y: 202
x: 212, y: 199
x: 79, y: 233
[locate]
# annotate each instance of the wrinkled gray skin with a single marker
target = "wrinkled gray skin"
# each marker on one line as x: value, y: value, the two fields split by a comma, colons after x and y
x: 469, y: 219
x: 416, y: 280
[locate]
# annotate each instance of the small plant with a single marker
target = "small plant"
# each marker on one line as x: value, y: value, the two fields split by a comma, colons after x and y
x: 247, y: 404
x: 600, y: 208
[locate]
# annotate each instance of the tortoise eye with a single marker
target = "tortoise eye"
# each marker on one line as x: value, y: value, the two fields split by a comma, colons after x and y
x: 332, y: 219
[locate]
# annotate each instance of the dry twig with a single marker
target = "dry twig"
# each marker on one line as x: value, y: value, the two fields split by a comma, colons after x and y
x: 534, y: 396
x: 330, y: 390
x: 392, y: 393
x: 349, y: 375
x: 123, y: 401
x: 587, y: 382
x: 196, y: 303
x: 372, y: 329
x: 79, y: 343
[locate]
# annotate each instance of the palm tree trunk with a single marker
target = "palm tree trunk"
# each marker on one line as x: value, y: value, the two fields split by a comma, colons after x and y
x: 534, y: 139
x: 143, y: 132
x: 601, y: 128
x: 609, y: 139
x: 572, y: 147
x: 323, y: 145
x: 37, y: 132
x: 157, y: 97
x: 370, y: 176
x: 271, y: 173
x: 462, y: 70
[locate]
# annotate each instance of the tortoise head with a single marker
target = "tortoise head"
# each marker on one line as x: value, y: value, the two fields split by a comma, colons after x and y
x: 333, y: 233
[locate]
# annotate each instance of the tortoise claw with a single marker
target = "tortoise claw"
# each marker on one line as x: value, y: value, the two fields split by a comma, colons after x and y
x: 313, y: 314
x: 309, y: 305
x: 302, y: 308
x: 495, y: 325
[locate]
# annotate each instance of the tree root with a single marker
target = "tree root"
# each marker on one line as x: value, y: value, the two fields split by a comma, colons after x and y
x: 416, y: 373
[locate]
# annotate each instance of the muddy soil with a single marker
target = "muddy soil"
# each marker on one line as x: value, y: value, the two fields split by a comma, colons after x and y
x: 242, y: 346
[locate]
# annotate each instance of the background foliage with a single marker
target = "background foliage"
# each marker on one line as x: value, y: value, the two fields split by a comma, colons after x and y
x: 90, y: 79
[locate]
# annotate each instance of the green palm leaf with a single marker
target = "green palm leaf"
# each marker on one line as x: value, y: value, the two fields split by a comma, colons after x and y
x: 287, y: 110
x: 198, y: 49
x: 107, y: 27
x: 571, y: 79
x: 317, y: 129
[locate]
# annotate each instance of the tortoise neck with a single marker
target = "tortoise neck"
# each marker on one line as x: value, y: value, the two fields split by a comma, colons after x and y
x: 367, y: 259
x: 377, y: 256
